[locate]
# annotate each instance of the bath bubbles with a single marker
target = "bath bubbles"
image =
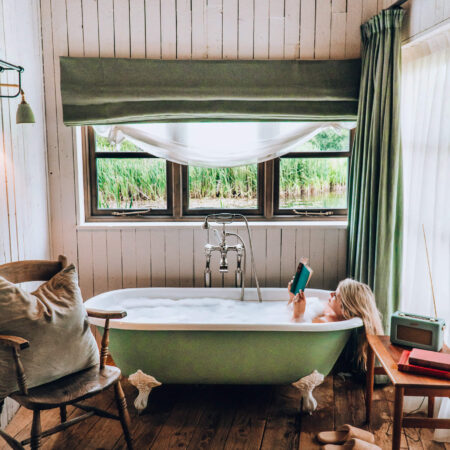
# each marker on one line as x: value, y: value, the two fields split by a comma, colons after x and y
x: 211, y: 311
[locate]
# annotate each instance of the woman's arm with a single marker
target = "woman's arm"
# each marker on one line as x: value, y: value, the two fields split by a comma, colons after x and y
x: 291, y: 295
x: 299, y: 303
x: 320, y: 319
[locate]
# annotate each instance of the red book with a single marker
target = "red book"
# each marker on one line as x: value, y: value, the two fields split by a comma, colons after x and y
x: 426, y: 358
x: 405, y: 366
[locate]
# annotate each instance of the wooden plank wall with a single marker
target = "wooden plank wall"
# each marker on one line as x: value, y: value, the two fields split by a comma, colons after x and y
x: 183, y: 29
x: 23, y: 158
x: 24, y: 230
x: 140, y: 256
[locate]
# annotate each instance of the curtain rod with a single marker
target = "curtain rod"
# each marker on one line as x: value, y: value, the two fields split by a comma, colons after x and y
x: 397, y: 4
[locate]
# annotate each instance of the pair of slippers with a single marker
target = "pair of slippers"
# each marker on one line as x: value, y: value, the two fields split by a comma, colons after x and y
x: 347, y: 437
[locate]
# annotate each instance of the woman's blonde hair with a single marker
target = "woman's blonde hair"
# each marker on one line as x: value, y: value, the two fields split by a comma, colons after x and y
x: 357, y: 300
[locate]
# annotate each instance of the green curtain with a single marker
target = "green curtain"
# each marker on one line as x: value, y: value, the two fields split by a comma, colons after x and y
x: 119, y: 90
x: 375, y: 185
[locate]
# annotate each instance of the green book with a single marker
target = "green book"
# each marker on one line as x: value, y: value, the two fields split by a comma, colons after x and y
x: 301, y: 279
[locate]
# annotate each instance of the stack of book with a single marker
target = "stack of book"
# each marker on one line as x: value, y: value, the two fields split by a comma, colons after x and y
x: 425, y: 362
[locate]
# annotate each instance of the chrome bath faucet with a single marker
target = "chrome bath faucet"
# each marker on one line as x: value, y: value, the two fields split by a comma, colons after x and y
x: 223, y: 248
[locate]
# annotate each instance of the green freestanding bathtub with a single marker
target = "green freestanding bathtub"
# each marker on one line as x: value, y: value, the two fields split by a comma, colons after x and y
x: 207, y: 336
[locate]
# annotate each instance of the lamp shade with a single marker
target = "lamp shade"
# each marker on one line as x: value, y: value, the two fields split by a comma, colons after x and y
x: 24, y: 113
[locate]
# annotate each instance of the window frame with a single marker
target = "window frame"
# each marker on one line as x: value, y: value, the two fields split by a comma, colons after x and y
x: 177, y: 191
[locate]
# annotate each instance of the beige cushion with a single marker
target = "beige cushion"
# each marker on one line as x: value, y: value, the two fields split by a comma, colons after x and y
x: 53, y: 319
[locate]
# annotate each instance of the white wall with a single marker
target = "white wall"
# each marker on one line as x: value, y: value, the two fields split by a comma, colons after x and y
x: 24, y: 227
x: 122, y: 256
x: 422, y: 15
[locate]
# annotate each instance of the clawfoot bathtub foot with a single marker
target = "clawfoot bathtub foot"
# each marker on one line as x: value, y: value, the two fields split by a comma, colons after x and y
x: 144, y: 384
x: 306, y: 386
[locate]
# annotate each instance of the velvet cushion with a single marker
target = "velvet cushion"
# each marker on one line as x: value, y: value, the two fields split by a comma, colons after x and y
x: 53, y: 319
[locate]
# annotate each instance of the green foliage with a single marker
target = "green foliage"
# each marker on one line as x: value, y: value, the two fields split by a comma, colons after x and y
x: 230, y: 182
x: 131, y: 183
x: 304, y: 175
x: 103, y: 145
x: 327, y: 140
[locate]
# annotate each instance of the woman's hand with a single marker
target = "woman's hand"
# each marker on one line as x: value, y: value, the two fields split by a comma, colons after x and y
x: 291, y: 295
x: 299, y: 305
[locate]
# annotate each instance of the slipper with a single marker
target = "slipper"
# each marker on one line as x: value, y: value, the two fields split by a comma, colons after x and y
x: 355, y: 444
x: 343, y: 434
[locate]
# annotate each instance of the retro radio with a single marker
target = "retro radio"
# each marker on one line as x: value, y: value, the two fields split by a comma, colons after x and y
x: 412, y: 330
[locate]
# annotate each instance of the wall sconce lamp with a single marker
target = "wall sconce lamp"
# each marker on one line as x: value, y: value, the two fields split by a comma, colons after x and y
x: 24, y: 113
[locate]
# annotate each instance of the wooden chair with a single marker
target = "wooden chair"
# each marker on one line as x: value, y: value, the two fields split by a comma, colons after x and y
x: 70, y: 389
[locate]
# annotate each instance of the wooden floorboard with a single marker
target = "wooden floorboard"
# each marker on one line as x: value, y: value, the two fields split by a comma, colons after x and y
x: 321, y: 420
x: 229, y: 417
x: 283, y: 420
x: 248, y: 426
x: 218, y: 415
x: 179, y: 428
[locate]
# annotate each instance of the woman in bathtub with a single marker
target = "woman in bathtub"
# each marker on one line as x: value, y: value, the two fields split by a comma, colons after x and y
x: 351, y: 299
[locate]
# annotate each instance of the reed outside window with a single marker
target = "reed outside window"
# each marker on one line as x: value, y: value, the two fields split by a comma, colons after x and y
x: 126, y: 183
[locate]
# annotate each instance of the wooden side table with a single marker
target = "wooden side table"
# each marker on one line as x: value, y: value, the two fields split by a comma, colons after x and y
x: 404, y: 384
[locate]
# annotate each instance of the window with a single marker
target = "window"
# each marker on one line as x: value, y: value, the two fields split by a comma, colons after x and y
x: 125, y: 179
x: 313, y: 180
x: 231, y: 189
x: 125, y: 182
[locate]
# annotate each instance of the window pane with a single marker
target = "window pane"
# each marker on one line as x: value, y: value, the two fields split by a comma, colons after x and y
x: 159, y: 130
x: 128, y: 183
x: 223, y: 188
x: 313, y: 183
x: 103, y: 145
x: 330, y: 140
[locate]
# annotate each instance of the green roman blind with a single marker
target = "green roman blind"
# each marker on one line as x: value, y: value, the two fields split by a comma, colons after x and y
x: 119, y: 90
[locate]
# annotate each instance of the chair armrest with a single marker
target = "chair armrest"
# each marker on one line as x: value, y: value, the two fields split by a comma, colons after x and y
x: 102, y: 314
x: 107, y: 315
x: 14, y: 342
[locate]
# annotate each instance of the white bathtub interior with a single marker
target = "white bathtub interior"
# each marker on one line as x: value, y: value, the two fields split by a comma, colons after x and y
x: 213, y: 309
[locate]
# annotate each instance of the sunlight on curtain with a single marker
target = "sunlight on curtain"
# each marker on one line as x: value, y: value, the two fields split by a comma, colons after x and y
x: 425, y: 123
x: 218, y: 144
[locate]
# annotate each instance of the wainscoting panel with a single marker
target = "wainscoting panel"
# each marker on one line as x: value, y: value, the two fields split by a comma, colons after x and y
x: 128, y: 257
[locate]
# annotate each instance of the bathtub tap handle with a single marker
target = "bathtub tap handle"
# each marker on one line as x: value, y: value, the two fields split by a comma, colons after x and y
x: 207, y: 273
x: 223, y: 267
x: 207, y: 278
x: 238, y: 278
x: 238, y: 272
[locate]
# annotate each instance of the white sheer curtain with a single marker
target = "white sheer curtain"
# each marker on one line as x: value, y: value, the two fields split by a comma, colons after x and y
x: 224, y: 144
x: 425, y: 123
